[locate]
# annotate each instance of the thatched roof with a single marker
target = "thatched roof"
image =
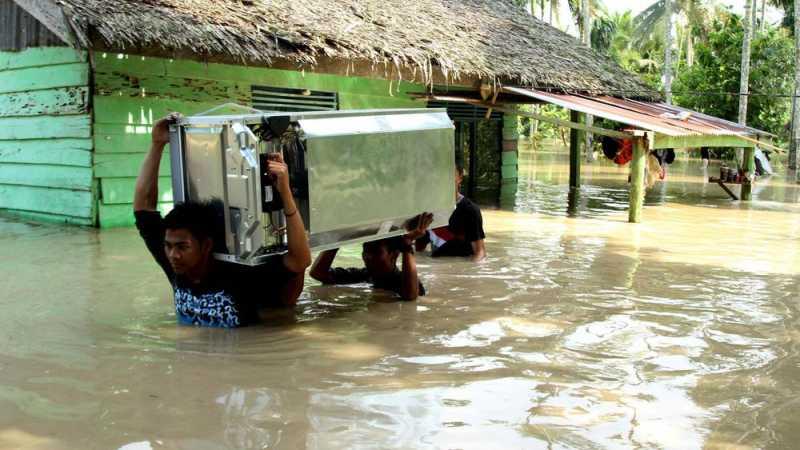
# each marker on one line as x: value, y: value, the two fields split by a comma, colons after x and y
x: 492, y: 40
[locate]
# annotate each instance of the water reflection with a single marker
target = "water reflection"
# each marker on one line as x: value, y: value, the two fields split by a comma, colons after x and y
x: 583, y: 332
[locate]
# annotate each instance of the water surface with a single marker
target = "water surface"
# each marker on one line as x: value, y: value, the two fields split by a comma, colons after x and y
x: 579, y: 331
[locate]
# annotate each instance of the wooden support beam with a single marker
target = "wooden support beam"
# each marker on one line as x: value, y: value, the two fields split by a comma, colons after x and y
x: 574, y: 125
x: 574, y: 153
x: 637, y: 180
x: 553, y: 120
x: 750, y: 169
x: 675, y: 142
x: 494, y: 100
x: 473, y: 159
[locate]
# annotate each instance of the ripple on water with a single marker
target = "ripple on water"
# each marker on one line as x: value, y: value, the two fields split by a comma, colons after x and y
x: 587, y: 333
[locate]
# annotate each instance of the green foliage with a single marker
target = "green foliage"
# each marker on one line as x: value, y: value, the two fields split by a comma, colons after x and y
x: 615, y: 36
x: 544, y: 130
x: 717, y: 70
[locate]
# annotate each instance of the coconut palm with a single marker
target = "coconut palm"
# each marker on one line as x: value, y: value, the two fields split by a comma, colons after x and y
x: 658, y: 20
x: 614, y: 35
x: 595, y: 8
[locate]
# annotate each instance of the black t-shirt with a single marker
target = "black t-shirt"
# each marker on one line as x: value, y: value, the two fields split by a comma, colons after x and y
x: 232, y: 294
x: 465, y: 227
x: 391, y: 281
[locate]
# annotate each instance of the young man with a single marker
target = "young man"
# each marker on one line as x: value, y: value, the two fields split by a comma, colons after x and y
x: 210, y: 292
x: 380, y: 264
x: 463, y: 236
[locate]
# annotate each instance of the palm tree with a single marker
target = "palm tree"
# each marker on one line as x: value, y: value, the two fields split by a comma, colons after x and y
x: 615, y: 35
x: 595, y: 8
x: 658, y: 20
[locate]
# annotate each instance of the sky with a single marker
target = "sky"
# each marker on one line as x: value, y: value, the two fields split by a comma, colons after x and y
x: 638, y: 6
x: 773, y: 15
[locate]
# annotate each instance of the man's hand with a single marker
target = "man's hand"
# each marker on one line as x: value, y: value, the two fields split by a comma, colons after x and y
x: 160, y: 135
x: 420, y: 225
x: 280, y: 172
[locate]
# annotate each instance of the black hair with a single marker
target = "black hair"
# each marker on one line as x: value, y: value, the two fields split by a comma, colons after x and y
x: 392, y: 244
x: 610, y: 147
x: 202, y: 219
x: 460, y: 168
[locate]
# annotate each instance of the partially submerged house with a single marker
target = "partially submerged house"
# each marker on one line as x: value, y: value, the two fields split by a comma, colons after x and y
x: 81, y: 81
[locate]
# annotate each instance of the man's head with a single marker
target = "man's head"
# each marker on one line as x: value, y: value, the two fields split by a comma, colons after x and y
x: 380, y: 257
x: 459, y: 176
x: 189, y: 239
x: 611, y: 147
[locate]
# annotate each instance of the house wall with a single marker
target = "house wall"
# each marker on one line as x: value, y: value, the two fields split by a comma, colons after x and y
x: 131, y: 92
x: 19, y: 30
x: 45, y: 135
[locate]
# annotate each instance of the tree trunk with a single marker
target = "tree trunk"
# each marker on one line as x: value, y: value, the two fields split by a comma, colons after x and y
x: 755, y: 17
x: 795, y: 107
x: 534, y: 131
x: 763, y: 15
x: 744, y: 84
x: 586, y: 22
x: 690, y: 51
x: 667, y: 75
x: 586, y: 37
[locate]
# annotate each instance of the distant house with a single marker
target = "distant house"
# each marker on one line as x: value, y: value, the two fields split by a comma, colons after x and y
x: 81, y: 81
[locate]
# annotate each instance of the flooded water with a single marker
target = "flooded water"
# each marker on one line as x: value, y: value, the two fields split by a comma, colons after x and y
x: 579, y: 331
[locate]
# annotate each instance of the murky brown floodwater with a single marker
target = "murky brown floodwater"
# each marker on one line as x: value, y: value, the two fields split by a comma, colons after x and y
x: 582, y: 332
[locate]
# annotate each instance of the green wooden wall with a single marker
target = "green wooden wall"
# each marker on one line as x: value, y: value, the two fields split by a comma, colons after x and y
x: 132, y: 91
x: 45, y: 136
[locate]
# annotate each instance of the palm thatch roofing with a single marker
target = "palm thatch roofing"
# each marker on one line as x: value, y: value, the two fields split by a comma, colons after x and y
x: 490, y: 40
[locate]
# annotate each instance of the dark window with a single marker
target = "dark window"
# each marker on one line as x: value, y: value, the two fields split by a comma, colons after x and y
x: 267, y: 98
x: 478, y: 143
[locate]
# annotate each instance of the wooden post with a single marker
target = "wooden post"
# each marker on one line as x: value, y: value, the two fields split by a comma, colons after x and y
x: 573, y: 202
x: 749, y: 166
x: 473, y: 159
x: 637, y: 180
x: 574, y: 153
x: 509, y: 156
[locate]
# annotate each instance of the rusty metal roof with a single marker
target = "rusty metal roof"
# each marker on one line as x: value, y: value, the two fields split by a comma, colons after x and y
x: 661, y: 118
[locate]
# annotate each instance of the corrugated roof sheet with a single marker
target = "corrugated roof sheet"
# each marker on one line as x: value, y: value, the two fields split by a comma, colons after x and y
x: 661, y: 118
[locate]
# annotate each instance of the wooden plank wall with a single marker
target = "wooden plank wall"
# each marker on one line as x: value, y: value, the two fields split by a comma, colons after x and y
x: 132, y: 91
x: 45, y: 135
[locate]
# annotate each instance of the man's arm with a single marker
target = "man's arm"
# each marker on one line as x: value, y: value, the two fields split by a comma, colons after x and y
x: 321, y: 270
x: 299, y: 256
x: 409, y: 286
x: 145, y: 197
x: 478, y: 250
x: 291, y: 291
